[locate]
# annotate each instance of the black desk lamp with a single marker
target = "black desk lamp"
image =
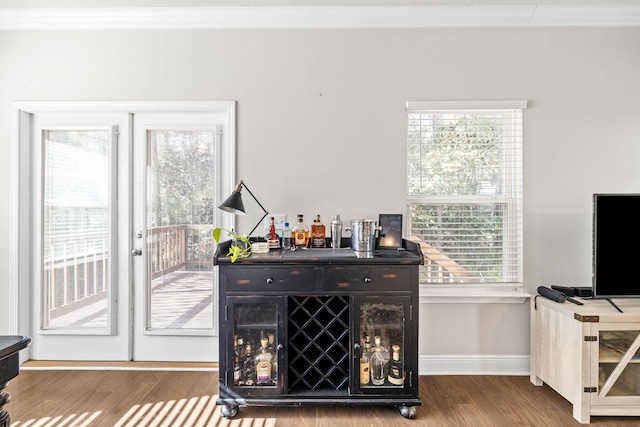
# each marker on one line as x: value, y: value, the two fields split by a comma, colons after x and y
x: 234, y: 204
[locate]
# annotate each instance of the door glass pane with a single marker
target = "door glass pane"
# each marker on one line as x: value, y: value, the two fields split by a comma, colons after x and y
x: 76, y: 228
x: 180, y: 186
x: 254, y: 345
x: 614, y: 346
x: 382, y: 343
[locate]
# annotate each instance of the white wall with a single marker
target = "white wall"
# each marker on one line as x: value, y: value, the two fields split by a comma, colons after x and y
x: 322, y: 125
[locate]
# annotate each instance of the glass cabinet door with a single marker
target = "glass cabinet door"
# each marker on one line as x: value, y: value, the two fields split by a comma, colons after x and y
x: 618, y: 363
x: 255, y: 349
x: 382, y: 345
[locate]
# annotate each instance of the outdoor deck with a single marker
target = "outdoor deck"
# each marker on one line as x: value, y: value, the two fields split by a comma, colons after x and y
x: 182, y: 299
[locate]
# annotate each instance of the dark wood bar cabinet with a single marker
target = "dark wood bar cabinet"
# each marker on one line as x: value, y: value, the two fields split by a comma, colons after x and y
x: 308, y: 327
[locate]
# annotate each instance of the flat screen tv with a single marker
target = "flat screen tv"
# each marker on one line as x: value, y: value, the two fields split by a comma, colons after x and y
x: 616, y: 236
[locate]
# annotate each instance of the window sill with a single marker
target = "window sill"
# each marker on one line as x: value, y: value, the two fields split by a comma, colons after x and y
x: 472, y: 295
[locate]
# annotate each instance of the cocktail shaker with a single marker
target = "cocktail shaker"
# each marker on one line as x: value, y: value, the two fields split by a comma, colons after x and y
x: 336, y: 232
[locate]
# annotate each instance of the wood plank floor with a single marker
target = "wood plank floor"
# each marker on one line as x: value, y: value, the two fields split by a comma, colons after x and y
x: 136, y: 398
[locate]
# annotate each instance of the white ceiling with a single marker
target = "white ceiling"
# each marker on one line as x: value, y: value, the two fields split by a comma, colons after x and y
x: 217, y: 14
x: 294, y: 3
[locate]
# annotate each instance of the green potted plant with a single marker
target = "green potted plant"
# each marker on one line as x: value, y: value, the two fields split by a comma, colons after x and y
x: 240, y: 246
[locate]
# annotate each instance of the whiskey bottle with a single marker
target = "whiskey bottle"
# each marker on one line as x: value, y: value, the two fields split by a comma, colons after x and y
x: 318, y: 233
x: 364, y: 368
x: 237, y: 371
x: 240, y: 350
x: 300, y: 233
x: 249, y: 367
x: 377, y: 364
x: 396, y: 371
x: 263, y: 364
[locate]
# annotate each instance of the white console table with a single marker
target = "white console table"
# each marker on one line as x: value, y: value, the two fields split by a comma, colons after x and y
x: 589, y: 354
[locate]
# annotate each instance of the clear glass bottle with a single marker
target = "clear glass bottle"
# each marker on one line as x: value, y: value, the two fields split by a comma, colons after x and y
x: 287, y: 240
x: 396, y: 370
x: 249, y: 367
x: 377, y: 364
x: 318, y: 233
x: 263, y: 363
x: 300, y: 233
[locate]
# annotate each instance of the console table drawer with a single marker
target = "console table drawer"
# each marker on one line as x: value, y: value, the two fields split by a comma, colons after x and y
x: 367, y: 278
x: 269, y: 279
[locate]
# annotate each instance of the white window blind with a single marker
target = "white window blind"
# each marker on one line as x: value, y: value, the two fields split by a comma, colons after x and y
x: 464, y: 174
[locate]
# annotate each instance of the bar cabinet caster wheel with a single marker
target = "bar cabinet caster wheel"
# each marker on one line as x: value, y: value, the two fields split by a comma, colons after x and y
x: 408, y: 411
x: 229, y: 411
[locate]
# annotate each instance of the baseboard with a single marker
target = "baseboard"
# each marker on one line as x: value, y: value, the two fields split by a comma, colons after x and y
x: 427, y: 365
x: 61, y: 365
x: 473, y: 365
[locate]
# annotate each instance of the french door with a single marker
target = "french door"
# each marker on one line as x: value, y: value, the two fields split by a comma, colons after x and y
x: 123, y: 208
x: 173, y: 223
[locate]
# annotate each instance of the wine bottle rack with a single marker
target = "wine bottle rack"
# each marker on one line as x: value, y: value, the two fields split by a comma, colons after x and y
x: 318, y: 343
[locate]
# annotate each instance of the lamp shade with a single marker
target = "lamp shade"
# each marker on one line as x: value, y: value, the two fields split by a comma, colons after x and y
x: 233, y: 204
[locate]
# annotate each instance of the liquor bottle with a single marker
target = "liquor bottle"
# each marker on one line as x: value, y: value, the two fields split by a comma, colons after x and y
x: 367, y: 346
x: 235, y: 346
x: 271, y: 348
x: 336, y: 232
x: 240, y: 350
x: 396, y: 371
x: 287, y: 240
x: 249, y: 367
x: 318, y: 233
x: 272, y: 238
x: 364, y: 368
x: 237, y: 371
x: 263, y: 363
x: 301, y: 233
x: 377, y: 364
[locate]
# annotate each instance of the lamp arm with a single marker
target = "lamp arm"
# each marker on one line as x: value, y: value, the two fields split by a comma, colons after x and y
x: 259, y: 204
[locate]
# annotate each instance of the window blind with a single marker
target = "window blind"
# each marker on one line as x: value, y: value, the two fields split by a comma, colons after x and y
x: 464, y: 180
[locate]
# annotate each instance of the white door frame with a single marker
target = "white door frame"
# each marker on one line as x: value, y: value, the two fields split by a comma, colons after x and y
x: 20, y: 306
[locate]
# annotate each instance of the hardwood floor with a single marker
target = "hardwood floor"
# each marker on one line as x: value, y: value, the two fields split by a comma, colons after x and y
x: 135, y: 398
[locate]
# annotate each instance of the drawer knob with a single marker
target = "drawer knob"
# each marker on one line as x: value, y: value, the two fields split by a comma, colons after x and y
x: 367, y: 280
x: 269, y: 280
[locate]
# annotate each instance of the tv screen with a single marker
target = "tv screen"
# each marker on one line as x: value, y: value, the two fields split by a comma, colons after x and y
x: 616, y: 236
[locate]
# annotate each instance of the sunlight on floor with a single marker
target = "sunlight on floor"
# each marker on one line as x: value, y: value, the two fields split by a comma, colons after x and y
x: 193, y: 412
x: 60, y: 421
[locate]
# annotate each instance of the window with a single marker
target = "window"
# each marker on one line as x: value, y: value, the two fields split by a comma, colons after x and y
x: 464, y: 172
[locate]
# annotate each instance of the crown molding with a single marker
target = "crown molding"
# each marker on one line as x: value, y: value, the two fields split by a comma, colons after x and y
x: 318, y: 17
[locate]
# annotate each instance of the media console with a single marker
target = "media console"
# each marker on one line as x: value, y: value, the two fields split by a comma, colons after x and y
x: 589, y: 354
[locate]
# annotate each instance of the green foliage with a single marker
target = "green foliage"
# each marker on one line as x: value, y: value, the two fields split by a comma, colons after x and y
x: 240, y: 245
x: 182, y: 177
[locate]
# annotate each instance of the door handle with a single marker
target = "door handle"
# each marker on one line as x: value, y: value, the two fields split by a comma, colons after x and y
x: 136, y: 252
